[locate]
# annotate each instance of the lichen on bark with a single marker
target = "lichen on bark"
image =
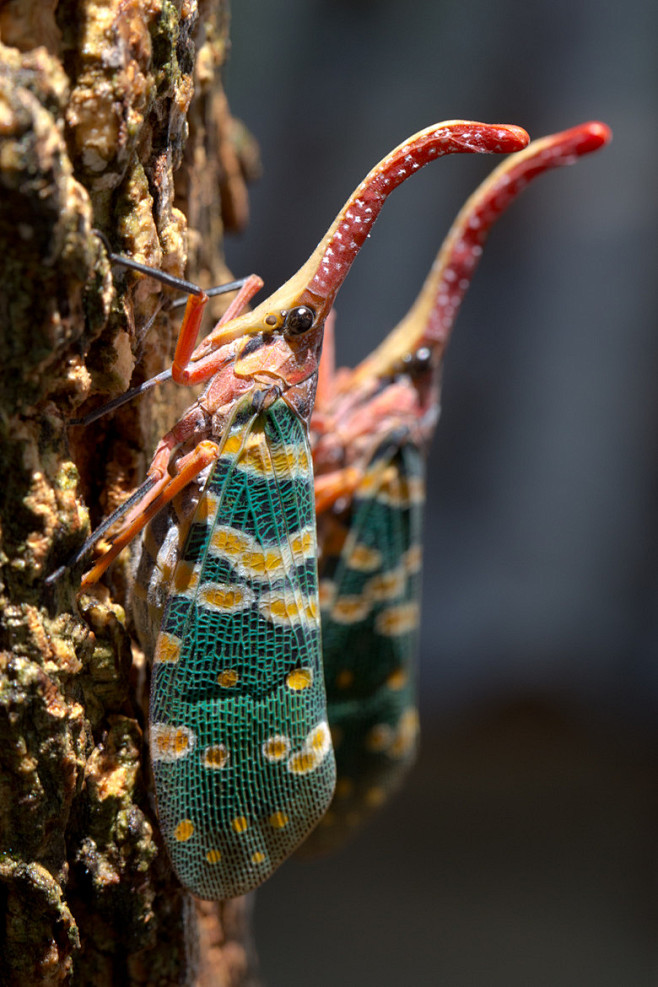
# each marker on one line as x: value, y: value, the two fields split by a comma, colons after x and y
x: 112, y: 117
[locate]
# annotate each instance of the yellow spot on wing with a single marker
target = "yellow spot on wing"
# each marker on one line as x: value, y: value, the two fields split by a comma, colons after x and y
x: 278, y: 820
x: 399, y: 619
x: 327, y: 591
x: 228, y: 678
x: 260, y: 561
x: 169, y: 743
x: 290, y: 460
x: 389, y: 487
x: 387, y: 586
x: 304, y: 543
x: 375, y: 479
x: 225, y: 597
x: 233, y: 444
x: 397, y: 679
x: 350, y: 609
x: 405, y: 492
x: 363, y: 558
x: 184, y: 830
x: 256, y: 459
x: 182, y: 741
x: 167, y: 648
x: 257, y: 857
x: 412, y: 559
x: 254, y: 454
x: 276, y: 748
x: 214, y: 856
x: 303, y: 762
x: 229, y: 541
x: 319, y: 739
x: 379, y: 738
x: 216, y: 756
x: 289, y: 610
x: 406, y: 734
x: 314, y: 750
x: 240, y: 824
x: 300, y: 678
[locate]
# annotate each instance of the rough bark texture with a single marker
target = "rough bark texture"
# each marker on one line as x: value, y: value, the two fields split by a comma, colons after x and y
x: 111, y: 116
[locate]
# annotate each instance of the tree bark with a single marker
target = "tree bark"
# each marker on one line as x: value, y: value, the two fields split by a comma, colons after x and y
x: 112, y: 116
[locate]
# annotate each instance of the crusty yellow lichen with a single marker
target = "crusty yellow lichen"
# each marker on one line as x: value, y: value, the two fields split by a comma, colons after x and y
x: 114, y: 88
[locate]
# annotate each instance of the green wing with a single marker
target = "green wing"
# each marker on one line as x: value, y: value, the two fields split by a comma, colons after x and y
x: 239, y: 738
x: 370, y: 594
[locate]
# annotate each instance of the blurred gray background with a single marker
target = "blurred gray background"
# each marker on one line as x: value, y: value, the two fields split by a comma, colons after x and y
x: 522, y: 851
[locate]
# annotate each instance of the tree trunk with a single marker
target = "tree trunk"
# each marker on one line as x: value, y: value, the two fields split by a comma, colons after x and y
x: 111, y: 117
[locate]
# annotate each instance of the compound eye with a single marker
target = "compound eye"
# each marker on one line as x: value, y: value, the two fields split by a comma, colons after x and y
x: 418, y: 362
x: 299, y: 320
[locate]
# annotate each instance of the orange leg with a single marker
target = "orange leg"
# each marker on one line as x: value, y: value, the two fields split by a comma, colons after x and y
x: 201, y: 369
x: 163, y: 486
x: 160, y: 494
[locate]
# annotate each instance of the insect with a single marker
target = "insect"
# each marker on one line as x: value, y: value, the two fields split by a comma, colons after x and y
x: 371, y: 431
x: 239, y: 740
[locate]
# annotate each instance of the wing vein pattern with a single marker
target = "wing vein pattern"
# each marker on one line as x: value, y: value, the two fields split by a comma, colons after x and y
x: 240, y: 744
